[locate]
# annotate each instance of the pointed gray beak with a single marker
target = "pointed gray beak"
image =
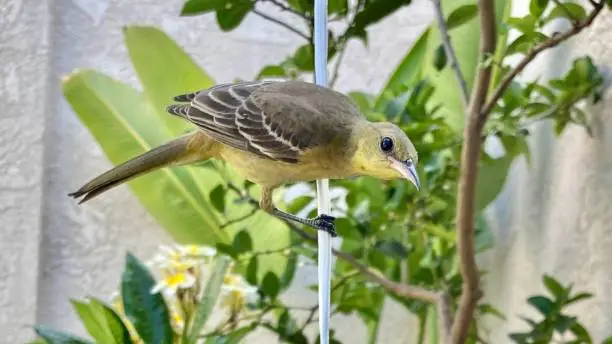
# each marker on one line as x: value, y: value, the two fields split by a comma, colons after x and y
x: 408, y: 170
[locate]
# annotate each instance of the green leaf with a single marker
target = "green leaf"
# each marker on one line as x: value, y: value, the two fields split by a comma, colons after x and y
x: 362, y: 99
x: 234, y: 337
x: 555, y: 288
x: 52, y: 336
x: 270, y: 285
x: 581, y: 333
x: 303, y: 58
x: 542, y: 304
x: 101, y: 321
x: 392, y: 248
x: 567, y: 10
x: 461, y: 15
x: 251, y: 271
x: 337, y: 6
x: 537, y: 7
x: 164, y: 70
x: 407, y: 72
x: 242, y: 242
x: 521, y: 44
x: 440, y: 58
x: 270, y: 70
x: 125, y: 125
x: 564, y: 323
x: 373, y: 11
x: 217, y: 198
x: 491, y: 180
x: 232, y: 14
x: 146, y: 311
x: 197, y: 7
x: 525, y: 24
x: 484, y: 235
x: 578, y: 297
x: 209, y: 298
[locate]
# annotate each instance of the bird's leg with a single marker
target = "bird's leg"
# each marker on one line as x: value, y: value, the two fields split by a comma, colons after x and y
x: 322, y: 222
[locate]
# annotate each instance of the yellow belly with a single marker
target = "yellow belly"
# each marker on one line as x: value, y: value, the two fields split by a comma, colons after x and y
x: 272, y: 173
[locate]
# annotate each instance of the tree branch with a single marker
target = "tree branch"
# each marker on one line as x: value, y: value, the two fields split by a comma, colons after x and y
x: 551, y: 43
x: 284, y: 7
x: 281, y: 23
x: 470, y: 157
x: 450, y: 52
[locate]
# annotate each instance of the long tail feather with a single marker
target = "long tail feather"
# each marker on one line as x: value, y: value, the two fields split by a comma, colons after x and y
x: 171, y: 153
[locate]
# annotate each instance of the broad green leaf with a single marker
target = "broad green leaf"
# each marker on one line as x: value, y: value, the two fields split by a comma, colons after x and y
x: 525, y: 24
x: 484, y: 235
x: 440, y: 58
x: 542, y: 304
x: 270, y: 285
x: 197, y: 7
x: 567, y: 10
x: 270, y: 70
x: 146, y: 311
x: 373, y: 11
x: 251, y: 271
x: 164, y: 71
x: 407, y: 72
x: 125, y: 125
x: 209, y: 298
x: 392, y: 248
x: 217, y: 198
x: 337, y: 6
x: 555, y: 288
x: 303, y: 58
x: 102, y: 323
x: 491, y: 179
x: 52, y: 336
x: 234, y: 337
x: 461, y: 15
x: 232, y: 14
x: 242, y: 242
x: 537, y: 7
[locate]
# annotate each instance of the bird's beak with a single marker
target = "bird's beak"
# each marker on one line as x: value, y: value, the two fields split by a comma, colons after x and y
x: 408, y: 170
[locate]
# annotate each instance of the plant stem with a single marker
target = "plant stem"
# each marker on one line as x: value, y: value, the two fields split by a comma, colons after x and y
x: 470, y: 157
x: 281, y: 23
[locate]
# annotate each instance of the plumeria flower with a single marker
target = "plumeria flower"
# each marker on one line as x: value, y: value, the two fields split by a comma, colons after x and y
x: 181, y: 257
x: 174, y: 280
x: 236, y: 292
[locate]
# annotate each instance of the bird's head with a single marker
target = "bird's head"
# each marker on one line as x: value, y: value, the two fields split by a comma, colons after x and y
x: 384, y: 151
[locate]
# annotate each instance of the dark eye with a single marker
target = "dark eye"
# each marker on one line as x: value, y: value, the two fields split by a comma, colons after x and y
x: 386, y: 144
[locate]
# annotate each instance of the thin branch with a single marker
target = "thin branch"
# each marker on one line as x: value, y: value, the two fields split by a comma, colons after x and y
x: 236, y: 220
x: 281, y: 23
x: 286, y: 8
x: 335, y: 73
x: 551, y: 43
x: 470, y: 156
x: 450, y: 52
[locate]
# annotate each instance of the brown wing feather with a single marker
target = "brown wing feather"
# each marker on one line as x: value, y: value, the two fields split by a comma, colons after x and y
x: 276, y: 120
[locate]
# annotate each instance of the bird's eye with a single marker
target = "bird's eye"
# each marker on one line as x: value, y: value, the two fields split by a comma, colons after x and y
x: 386, y: 144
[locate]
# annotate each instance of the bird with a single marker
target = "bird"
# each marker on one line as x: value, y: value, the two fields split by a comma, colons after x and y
x: 273, y: 133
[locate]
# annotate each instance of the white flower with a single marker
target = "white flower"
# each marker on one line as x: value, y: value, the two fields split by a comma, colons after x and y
x: 236, y: 292
x: 181, y: 257
x: 173, y: 280
x: 197, y: 251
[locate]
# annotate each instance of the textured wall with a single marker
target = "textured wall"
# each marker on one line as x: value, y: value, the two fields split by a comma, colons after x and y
x: 51, y: 249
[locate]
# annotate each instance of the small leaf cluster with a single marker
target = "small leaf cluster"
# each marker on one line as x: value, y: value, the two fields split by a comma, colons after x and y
x: 553, y: 322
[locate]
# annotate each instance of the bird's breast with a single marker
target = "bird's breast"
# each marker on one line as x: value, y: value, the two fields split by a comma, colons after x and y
x: 311, y: 166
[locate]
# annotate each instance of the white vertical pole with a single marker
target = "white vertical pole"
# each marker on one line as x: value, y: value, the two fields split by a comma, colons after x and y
x: 324, y: 207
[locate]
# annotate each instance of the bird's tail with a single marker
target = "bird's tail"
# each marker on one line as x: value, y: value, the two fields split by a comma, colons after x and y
x: 175, y: 152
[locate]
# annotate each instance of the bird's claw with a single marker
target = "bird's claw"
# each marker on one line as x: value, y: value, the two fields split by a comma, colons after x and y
x: 326, y: 223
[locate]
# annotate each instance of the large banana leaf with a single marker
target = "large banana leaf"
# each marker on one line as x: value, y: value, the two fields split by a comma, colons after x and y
x: 125, y: 124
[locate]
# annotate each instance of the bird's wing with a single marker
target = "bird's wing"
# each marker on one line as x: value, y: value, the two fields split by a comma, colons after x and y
x: 276, y: 120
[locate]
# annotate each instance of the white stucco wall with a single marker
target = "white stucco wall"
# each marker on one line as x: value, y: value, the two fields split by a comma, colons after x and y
x: 51, y: 249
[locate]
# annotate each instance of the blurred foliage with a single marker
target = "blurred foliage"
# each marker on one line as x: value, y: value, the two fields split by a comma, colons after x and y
x: 406, y: 235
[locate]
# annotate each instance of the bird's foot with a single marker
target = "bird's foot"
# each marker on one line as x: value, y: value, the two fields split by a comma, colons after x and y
x: 325, y: 223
